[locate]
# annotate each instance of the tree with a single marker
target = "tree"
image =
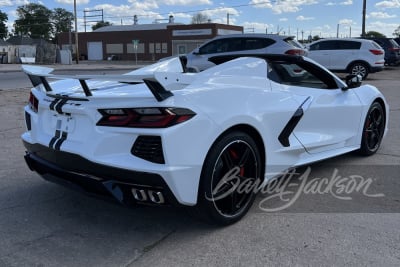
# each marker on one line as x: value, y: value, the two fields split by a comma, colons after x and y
x: 316, y: 38
x: 396, y: 32
x: 200, y: 18
x: 34, y: 20
x: 3, y: 26
x: 101, y: 24
x: 62, y: 20
x: 374, y: 34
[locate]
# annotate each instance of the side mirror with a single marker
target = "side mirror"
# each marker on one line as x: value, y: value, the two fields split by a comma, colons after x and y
x: 353, y: 81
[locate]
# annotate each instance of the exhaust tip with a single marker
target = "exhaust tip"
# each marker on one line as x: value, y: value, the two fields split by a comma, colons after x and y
x: 156, y: 197
x: 139, y: 194
x: 152, y: 196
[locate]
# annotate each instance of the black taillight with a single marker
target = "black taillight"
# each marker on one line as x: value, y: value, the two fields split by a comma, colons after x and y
x: 144, y: 117
x: 33, y: 102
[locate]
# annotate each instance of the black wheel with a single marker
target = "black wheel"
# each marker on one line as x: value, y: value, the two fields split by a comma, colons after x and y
x: 359, y: 68
x: 374, y: 127
x: 230, y: 174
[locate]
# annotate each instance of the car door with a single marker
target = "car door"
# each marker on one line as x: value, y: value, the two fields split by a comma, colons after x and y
x: 328, y: 116
x: 322, y: 52
x: 346, y: 52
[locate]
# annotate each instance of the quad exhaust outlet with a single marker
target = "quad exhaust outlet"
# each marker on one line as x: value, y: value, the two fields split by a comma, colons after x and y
x: 143, y: 195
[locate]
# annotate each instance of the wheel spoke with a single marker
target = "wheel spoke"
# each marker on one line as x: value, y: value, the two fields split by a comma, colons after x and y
x: 227, y: 160
x: 378, y: 121
x: 245, y: 157
x: 230, y: 200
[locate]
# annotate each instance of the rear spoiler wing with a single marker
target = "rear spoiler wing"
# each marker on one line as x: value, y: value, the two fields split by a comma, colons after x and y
x: 39, y: 75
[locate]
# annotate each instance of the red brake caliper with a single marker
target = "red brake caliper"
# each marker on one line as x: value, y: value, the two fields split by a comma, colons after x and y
x: 235, y: 156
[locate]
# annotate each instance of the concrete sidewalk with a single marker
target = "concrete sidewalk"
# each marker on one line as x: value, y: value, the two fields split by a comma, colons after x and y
x: 83, y: 65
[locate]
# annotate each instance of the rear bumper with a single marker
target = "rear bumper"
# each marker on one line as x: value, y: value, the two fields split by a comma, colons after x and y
x: 377, y: 69
x: 70, y: 170
x: 392, y: 60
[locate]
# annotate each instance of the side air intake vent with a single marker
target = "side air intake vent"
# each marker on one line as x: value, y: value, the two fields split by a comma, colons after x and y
x: 148, y: 148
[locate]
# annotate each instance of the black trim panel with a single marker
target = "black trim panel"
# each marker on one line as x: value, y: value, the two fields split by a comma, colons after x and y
x: 28, y: 121
x: 292, y: 123
x: 79, y: 173
x: 159, y: 92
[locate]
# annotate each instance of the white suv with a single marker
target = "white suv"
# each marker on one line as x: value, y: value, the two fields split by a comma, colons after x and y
x: 355, y: 56
x: 243, y: 44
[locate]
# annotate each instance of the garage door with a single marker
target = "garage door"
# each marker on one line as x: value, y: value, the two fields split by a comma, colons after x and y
x: 95, y: 50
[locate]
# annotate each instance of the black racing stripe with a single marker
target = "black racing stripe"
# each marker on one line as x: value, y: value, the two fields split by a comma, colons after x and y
x: 53, y: 103
x: 59, y: 142
x: 54, y: 139
x: 60, y: 105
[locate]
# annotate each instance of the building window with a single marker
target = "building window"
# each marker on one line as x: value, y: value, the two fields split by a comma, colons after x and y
x: 181, y: 49
x: 114, y: 48
x: 158, y: 48
x: 164, y: 48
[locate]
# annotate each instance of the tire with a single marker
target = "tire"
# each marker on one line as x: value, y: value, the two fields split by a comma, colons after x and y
x: 359, y: 68
x: 221, y: 201
x: 373, y: 130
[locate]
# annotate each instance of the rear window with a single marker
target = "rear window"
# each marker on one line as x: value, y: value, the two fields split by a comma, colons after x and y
x: 294, y: 43
x: 377, y: 46
x: 394, y: 43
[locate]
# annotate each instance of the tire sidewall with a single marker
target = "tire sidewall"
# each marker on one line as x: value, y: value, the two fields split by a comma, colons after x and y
x: 205, y: 188
x: 364, y: 149
x: 360, y: 64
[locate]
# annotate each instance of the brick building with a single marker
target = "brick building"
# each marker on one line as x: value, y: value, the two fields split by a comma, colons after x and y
x: 148, y: 42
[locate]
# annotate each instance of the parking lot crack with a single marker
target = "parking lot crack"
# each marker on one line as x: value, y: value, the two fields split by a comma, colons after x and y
x: 150, y: 247
x: 387, y: 154
x: 27, y: 244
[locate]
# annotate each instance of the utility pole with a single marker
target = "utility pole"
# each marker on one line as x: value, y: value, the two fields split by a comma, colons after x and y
x: 76, y: 35
x: 337, y: 31
x: 364, y: 11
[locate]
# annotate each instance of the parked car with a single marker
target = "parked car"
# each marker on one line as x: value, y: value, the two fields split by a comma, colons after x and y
x: 243, y: 44
x: 208, y: 141
x: 392, y: 50
x: 397, y: 40
x: 354, y: 56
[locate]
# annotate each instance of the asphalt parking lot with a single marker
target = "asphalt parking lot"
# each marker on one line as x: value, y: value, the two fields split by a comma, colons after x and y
x: 43, y: 224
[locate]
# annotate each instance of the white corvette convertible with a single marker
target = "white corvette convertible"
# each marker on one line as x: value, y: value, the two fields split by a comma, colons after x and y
x: 164, y: 135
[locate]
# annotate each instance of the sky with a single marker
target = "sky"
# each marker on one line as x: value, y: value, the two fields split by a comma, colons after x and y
x: 300, y: 18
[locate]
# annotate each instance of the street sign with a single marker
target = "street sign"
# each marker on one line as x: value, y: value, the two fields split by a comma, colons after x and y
x: 135, y: 44
x: 135, y: 47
